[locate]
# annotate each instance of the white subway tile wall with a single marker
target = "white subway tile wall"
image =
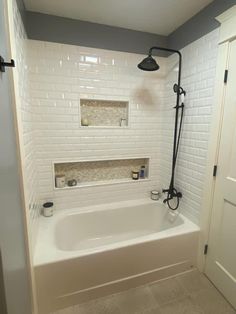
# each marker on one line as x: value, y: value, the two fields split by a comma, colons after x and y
x: 25, y: 116
x: 198, y: 76
x: 59, y: 76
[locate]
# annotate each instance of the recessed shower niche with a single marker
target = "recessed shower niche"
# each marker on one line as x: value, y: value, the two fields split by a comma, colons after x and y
x: 104, y: 113
x: 98, y: 172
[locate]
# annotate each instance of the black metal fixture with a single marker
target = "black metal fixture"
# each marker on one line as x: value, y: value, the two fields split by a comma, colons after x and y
x: 149, y: 64
x: 4, y: 64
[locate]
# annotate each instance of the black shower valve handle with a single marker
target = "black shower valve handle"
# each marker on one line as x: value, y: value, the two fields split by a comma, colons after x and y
x: 4, y: 64
x: 175, y: 88
x: 178, y: 89
x: 165, y: 190
x: 179, y: 194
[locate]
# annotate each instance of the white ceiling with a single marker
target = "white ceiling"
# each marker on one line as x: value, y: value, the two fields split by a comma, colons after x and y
x: 153, y: 16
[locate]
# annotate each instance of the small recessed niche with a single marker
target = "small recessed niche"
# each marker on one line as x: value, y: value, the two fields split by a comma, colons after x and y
x: 104, y: 113
x: 99, y: 172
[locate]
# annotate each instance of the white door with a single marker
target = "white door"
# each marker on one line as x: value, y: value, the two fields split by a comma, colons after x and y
x: 221, y: 257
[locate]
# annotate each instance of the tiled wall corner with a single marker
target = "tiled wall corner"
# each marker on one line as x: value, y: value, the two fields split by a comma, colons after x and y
x: 26, y: 126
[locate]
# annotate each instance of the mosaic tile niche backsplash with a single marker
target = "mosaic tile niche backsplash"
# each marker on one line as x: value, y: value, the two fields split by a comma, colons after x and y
x: 92, y: 172
x: 104, y: 113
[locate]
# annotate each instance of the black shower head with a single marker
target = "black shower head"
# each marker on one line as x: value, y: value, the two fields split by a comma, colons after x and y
x: 148, y: 64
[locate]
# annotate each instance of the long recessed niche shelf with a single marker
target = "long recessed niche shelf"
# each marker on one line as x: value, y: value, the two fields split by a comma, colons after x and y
x: 103, y: 113
x: 99, y: 172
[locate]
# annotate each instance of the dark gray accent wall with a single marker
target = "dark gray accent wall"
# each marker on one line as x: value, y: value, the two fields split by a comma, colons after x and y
x: 199, y: 25
x: 69, y: 31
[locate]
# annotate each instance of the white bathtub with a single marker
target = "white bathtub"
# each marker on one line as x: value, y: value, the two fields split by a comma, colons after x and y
x: 87, y: 253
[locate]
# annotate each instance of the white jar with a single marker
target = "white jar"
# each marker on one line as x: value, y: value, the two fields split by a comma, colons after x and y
x: 60, y: 181
x: 48, y: 209
x: 155, y: 195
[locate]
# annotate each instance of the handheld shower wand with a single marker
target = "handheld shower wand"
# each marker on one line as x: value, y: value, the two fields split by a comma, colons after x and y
x: 149, y: 64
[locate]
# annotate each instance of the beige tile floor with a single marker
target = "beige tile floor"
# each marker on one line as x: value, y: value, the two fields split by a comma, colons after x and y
x: 189, y: 293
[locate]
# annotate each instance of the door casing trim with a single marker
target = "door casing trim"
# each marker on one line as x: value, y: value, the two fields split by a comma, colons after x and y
x: 227, y: 34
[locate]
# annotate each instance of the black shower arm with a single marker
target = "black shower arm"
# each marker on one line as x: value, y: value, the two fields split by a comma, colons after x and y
x: 164, y: 49
x: 173, y: 51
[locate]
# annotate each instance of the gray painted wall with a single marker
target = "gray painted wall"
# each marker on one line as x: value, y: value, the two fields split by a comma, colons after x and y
x: 199, y: 25
x: 64, y: 30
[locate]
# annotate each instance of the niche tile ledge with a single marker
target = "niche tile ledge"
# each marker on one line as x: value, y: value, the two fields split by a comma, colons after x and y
x: 100, y: 183
x: 99, y: 172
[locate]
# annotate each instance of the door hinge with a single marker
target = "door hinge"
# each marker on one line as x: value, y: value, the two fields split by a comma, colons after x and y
x: 226, y: 76
x: 214, y: 170
x: 205, y: 249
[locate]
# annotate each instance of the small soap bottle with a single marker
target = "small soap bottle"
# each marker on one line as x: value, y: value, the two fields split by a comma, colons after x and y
x: 142, y: 174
